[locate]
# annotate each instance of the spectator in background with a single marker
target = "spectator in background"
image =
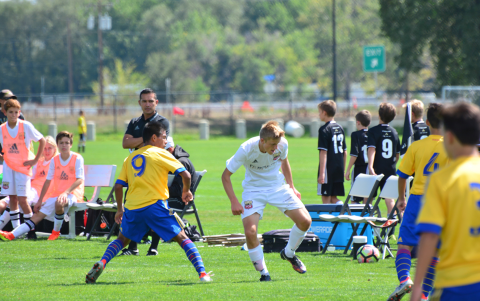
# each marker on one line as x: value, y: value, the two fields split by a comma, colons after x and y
x: 176, y: 188
x: 148, y: 102
x: 82, y: 131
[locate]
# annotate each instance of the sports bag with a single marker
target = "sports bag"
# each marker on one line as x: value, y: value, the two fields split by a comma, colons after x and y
x: 276, y: 241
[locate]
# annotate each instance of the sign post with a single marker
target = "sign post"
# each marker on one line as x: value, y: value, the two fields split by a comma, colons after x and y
x: 374, y: 60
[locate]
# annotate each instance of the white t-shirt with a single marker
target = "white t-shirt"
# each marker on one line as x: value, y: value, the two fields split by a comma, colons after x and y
x: 79, y: 170
x: 34, y: 168
x: 31, y: 133
x: 261, y: 169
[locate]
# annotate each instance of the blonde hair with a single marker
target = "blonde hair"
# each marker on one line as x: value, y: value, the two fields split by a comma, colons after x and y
x: 329, y: 107
x: 50, y: 140
x: 417, y: 107
x: 271, y: 130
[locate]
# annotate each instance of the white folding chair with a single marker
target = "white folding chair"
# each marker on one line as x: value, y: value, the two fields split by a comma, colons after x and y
x: 364, y: 187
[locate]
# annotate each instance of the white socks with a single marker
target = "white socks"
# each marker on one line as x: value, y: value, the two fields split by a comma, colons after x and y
x: 23, y: 228
x: 294, y: 241
x: 256, y: 256
x: 58, y: 221
x: 15, y: 217
x: 4, y: 219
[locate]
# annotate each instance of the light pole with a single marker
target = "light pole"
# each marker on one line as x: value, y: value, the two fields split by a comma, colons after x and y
x: 334, y: 51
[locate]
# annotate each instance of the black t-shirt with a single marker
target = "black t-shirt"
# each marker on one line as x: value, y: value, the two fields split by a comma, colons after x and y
x: 420, y: 130
x: 331, y: 138
x: 136, y: 125
x: 385, y: 140
x: 358, y: 147
x: 3, y: 119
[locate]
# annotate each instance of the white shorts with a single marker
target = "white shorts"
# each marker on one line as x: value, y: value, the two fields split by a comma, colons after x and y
x: 48, y: 207
x: 32, y: 199
x: 14, y: 182
x: 282, y: 197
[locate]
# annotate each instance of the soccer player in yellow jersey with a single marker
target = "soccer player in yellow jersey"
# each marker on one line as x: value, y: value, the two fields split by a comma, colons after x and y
x: 422, y: 158
x: 145, y: 173
x: 451, y: 212
x: 82, y: 131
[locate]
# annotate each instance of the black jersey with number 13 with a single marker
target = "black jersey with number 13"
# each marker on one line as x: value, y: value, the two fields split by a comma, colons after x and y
x: 385, y: 140
x: 331, y: 138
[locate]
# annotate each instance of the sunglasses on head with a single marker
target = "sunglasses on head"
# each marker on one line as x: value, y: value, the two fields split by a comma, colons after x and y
x: 11, y: 97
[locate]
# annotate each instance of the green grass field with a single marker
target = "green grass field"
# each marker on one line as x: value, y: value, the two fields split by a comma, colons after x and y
x: 56, y: 270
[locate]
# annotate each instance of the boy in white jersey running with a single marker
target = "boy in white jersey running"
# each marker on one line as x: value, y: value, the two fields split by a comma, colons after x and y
x: 262, y: 157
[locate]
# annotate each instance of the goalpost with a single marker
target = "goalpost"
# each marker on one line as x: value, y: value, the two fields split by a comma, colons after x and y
x: 461, y: 93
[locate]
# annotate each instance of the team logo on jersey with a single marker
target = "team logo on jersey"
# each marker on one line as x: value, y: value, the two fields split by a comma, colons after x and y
x: 42, y: 174
x: 5, y: 185
x: 248, y: 204
x: 14, y: 149
x: 63, y: 176
x: 276, y: 155
x: 72, y: 169
x: 21, y: 135
x: 255, y: 161
x: 137, y: 128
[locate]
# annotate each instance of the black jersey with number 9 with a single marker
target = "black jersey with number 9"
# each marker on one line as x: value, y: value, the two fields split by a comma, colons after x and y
x: 331, y: 138
x: 385, y: 140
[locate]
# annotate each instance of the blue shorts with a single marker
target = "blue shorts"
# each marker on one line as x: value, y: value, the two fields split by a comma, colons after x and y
x: 469, y: 292
x: 163, y: 221
x: 407, y: 235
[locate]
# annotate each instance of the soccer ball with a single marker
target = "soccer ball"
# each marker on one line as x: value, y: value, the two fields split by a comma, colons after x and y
x: 367, y: 254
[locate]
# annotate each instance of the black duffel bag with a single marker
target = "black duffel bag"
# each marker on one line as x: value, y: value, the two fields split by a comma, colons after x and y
x: 276, y: 241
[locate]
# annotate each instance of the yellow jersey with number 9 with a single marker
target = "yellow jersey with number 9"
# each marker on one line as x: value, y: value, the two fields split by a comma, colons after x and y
x: 451, y: 209
x: 422, y: 158
x: 145, y: 173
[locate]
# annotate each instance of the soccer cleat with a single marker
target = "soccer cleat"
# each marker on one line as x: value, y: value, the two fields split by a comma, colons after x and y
x: 401, y: 290
x: 424, y: 298
x: 95, y: 272
x: 31, y: 235
x: 4, y: 235
x: 152, y: 252
x: 265, y: 278
x: 206, y: 277
x: 129, y: 252
x: 54, y: 235
x: 297, y: 264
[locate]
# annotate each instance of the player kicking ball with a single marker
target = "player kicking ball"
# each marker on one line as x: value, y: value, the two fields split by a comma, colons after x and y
x: 145, y: 172
x: 262, y: 157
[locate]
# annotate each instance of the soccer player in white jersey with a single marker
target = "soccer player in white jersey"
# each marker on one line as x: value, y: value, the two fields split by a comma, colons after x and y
x: 263, y: 156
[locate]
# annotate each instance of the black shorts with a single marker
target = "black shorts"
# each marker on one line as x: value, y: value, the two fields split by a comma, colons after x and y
x: 82, y: 137
x: 331, y: 189
x: 382, y: 183
x: 362, y: 169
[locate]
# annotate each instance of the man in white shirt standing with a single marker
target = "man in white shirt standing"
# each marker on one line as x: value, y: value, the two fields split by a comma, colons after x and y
x: 264, y: 184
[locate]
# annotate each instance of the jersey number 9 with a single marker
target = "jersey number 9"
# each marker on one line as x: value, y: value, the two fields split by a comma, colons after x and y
x: 387, y: 148
x: 139, y: 167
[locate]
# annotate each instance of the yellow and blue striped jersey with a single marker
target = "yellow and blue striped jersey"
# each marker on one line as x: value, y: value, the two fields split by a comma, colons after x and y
x: 145, y: 173
x: 452, y: 209
x: 422, y: 158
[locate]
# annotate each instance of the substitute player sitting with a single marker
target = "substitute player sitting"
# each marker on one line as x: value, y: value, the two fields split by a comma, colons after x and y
x: 262, y: 157
x: 145, y: 172
x: 451, y: 212
x: 422, y: 158
x: 67, y: 172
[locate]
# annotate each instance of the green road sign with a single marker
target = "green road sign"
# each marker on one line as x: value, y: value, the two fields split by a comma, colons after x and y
x: 374, y: 59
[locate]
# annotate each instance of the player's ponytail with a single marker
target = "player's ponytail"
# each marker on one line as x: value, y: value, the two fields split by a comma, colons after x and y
x: 271, y: 130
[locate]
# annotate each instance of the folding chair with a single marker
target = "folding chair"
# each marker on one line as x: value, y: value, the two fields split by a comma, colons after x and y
x: 110, y: 205
x: 193, y: 209
x: 364, y: 187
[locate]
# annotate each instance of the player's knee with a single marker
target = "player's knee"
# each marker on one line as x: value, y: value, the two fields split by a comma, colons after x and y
x: 3, y: 206
x: 305, y: 223
x: 58, y: 205
x: 251, y: 232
